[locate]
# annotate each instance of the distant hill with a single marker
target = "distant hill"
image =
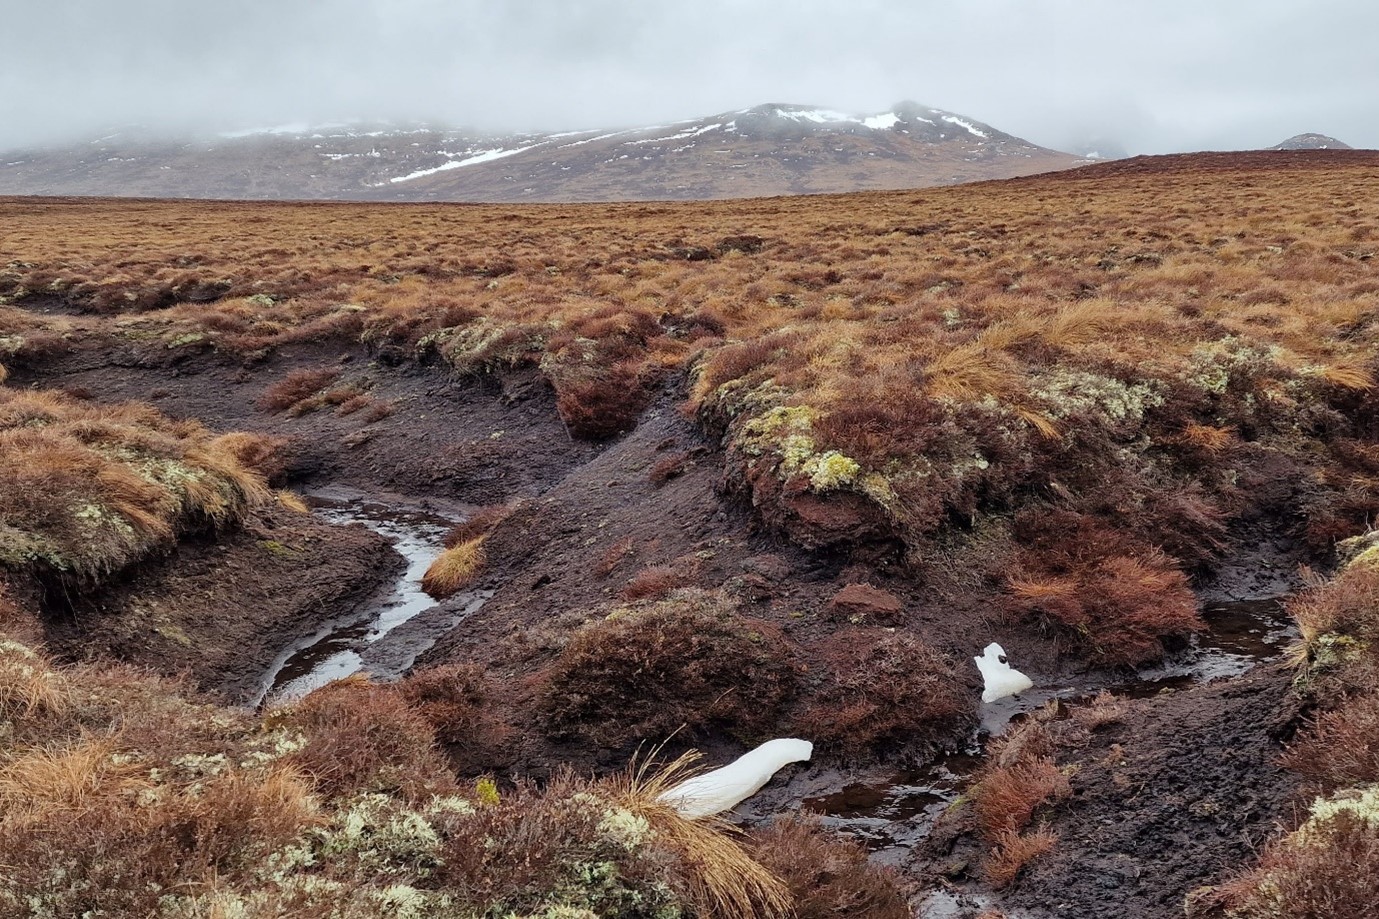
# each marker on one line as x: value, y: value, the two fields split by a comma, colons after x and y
x: 1311, y: 142
x: 773, y: 149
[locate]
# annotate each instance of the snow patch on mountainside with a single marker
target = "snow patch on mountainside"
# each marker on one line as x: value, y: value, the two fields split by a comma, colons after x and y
x: 967, y: 125
x: 816, y: 115
x: 882, y: 122
x: 483, y: 156
x: 693, y: 131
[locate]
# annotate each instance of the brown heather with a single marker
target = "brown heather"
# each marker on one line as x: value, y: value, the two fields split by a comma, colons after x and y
x: 1329, y: 866
x: 1020, y: 778
x: 689, y: 664
x: 887, y: 690
x: 296, y: 389
x: 91, y: 488
x: 1162, y: 347
x: 122, y: 795
x: 1109, y: 372
x: 829, y: 876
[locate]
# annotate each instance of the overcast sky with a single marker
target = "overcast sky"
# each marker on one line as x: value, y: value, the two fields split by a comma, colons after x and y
x: 1153, y: 75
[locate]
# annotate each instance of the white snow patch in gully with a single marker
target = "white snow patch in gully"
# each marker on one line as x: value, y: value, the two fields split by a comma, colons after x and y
x: 954, y: 119
x: 482, y: 156
x: 881, y: 122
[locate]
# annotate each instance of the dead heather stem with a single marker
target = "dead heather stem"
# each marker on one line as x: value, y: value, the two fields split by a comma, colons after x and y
x: 1013, y: 851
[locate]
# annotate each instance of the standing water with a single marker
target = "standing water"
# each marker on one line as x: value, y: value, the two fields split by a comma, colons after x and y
x: 892, y: 814
x: 344, y: 647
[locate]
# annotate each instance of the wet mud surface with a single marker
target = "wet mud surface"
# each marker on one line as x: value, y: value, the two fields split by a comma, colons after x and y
x: 393, y: 626
x: 1184, y: 791
x: 216, y: 609
x: 1179, y: 791
x: 893, y: 812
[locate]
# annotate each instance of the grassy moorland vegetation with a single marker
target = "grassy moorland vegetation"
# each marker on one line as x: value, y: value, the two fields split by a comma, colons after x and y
x: 89, y: 489
x: 1079, y: 392
x: 123, y: 796
x: 1097, y: 373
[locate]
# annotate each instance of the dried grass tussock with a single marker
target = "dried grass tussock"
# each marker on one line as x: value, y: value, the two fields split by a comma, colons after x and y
x: 455, y: 568
x: 727, y: 881
x: 1156, y: 347
x: 339, y: 805
x: 91, y: 488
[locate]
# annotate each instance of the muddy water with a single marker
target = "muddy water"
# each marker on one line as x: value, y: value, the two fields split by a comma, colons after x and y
x: 386, y: 636
x: 890, y: 814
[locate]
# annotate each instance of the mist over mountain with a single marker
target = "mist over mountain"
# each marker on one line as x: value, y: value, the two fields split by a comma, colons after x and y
x: 770, y: 149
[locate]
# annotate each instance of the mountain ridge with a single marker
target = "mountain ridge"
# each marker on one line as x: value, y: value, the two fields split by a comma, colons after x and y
x: 764, y: 150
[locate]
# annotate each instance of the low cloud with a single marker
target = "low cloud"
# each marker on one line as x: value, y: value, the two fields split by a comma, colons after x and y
x: 1154, y: 78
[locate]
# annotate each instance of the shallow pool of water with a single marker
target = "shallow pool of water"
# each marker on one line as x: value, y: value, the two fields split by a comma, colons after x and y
x: 890, y: 814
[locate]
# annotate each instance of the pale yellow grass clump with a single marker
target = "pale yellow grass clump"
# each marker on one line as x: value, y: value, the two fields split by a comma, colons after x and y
x: 292, y: 501
x: 91, y: 488
x: 724, y: 880
x: 29, y: 687
x: 454, y: 569
x: 65, y: 778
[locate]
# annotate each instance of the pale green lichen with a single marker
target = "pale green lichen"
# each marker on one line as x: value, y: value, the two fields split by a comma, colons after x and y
x: 94, y: 517
x: 201, y: 765
x: 20, y: 549
x: 287, y: 862
x: 1068, y: 392
x: 175, y: 633
x: 563, y: 912
x: 598, y: 886
x: 1359, y: 551
x: 272, y: 747
x: 1360, y: 803
x: 485, y: 345
x: 787, y: 429
x: 11, y: 648
x: 1213, y: 367
x: 579, y: 351
x: 1369, y: 558
x: 190, y: 338
x: 830, y: 470
x: 402, y: 901
x: 384, y: 836
x: 1330, y: 650
x: 624, y: 828
x: 452, y: 805
x: 738, y: 397
x: 788, y: 432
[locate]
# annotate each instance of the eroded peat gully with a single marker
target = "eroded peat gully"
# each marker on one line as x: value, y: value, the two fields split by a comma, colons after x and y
x: 786, y: 487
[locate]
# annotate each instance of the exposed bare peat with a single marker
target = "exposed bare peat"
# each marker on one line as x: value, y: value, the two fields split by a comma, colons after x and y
x: 723, y: 472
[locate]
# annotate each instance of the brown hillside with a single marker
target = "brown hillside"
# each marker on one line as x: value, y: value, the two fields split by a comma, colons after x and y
x: 767, y: 150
